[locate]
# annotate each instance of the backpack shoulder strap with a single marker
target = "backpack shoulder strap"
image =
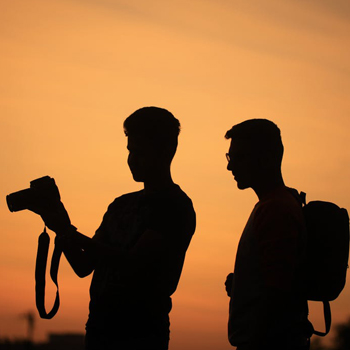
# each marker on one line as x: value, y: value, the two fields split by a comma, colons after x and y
x: 302, y: 197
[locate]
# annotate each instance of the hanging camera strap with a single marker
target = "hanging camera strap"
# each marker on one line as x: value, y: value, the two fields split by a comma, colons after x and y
x: 40, y: 272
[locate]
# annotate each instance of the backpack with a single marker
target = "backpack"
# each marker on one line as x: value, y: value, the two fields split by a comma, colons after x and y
x: 327, y: 253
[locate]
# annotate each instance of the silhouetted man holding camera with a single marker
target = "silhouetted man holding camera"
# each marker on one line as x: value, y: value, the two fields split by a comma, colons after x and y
x: 137, y: 253
x: 267, y: 311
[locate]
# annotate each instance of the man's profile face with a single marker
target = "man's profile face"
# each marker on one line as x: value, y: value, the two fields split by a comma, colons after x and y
x: 243, y: 164
x: 142, y: 159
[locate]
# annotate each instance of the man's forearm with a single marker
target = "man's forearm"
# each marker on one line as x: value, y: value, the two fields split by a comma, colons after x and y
x: 81, y: 261
x: 83, y: 253
x: 99, y: 251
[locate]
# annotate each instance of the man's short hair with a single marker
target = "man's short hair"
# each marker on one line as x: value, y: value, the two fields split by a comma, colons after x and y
x: 156, y: 126
x: 262, y: 135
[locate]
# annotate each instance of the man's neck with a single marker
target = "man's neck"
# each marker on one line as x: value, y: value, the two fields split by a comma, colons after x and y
x: 158, y: 183
x: 270, y: 184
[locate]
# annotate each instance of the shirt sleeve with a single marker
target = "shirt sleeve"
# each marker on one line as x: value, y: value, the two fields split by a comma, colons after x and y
x: 101, y: 233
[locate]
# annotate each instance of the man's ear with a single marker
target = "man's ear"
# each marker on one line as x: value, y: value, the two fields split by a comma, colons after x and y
x: 271, y: 163
x: 167, y: 154
x: 266, y: 160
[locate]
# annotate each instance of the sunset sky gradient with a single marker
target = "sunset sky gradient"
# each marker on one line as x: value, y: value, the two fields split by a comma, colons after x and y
x: 73, y: 70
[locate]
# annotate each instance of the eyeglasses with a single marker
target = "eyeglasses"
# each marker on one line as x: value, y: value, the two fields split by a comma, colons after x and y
x: 228, y: 157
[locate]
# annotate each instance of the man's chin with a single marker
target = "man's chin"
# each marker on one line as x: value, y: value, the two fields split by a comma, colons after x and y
x: 242, y: 185
x: 137, y: 178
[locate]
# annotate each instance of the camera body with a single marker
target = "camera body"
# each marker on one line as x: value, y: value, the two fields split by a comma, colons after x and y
x: 42, y: 192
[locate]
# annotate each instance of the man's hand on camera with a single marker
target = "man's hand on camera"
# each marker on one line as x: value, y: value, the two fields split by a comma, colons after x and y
x: 54, y: 216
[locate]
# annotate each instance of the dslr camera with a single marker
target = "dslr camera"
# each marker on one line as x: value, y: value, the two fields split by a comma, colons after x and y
x: 42, y: 193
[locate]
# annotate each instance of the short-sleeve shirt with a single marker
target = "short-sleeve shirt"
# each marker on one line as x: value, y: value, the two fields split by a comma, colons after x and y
x: 269, y: 255
x: 135, y: 305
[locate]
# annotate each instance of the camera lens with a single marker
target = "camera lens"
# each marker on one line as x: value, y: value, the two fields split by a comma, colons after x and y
x: 19, y: 200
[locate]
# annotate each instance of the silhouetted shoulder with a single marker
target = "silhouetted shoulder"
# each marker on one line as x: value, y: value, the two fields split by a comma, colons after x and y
x: 281, y: 200
x: 278, y: 215
x: 172, y: 214
x: 124, y: 200
x: 175, y: 199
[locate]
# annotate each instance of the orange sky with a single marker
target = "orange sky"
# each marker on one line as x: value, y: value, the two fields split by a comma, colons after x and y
x: 73, y: 70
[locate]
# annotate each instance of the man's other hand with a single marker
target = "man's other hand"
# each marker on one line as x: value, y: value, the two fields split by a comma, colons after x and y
x: 229, y: 284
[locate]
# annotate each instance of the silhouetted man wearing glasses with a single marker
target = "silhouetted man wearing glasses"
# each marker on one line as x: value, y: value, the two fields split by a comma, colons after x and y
x: 267, y: 311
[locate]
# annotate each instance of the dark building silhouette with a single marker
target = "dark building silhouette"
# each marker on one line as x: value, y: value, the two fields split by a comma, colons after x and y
x: 56, y: 341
